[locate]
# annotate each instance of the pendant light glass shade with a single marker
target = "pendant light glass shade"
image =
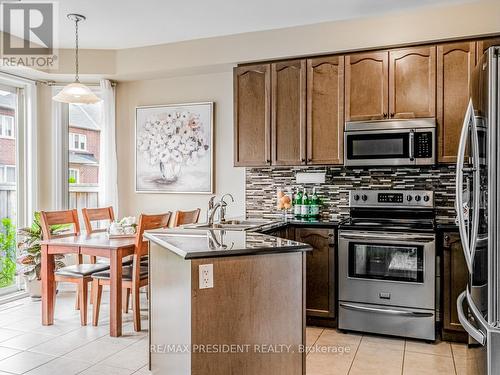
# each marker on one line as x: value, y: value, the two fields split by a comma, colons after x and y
x: 76, y: 92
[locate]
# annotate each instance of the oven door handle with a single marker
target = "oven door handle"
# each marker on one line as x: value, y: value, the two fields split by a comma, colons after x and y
x: 388, y: 237
x: 414, y: 314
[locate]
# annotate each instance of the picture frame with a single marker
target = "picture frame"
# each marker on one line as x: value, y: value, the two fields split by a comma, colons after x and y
x: 174, y: 148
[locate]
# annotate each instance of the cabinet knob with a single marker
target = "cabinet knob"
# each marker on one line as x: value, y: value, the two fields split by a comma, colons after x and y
x: 303, y: 160
x: 385, y: 115
x: 309, y: 160
x: 268, y: 161
x: 392, y: 115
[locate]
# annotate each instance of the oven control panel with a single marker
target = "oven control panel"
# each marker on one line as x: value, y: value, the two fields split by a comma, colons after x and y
x: 391, y: 198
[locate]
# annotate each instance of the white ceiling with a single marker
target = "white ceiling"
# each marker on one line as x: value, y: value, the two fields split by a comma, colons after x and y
x: 116, y: 24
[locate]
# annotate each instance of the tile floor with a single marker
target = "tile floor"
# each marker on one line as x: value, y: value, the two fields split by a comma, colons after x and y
x: 66, y: 348
x: 358, y: 354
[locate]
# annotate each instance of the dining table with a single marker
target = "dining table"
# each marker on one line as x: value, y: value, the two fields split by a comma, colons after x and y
x: 95, y: 244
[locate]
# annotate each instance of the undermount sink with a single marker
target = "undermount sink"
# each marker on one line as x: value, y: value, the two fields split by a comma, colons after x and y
x: 231, y: 225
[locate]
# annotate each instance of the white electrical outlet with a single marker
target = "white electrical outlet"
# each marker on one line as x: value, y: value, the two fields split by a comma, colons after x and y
x: 206, y: 276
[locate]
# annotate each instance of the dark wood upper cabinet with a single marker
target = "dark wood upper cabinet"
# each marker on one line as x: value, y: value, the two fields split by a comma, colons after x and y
x: 288, y: 115
x: 325, y: 110
x: 483, y: 45
x: 252, y: 115
x: 366, y: 86
x: 412, y: 82
x: 454, y: 278
x: 455, y: 62
x: 320, y: 271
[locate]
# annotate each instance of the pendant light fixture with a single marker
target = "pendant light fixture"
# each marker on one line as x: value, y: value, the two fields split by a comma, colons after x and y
x: 76, y: 92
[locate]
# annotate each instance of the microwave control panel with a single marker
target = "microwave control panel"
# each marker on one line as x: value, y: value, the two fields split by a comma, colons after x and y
x: 423, y: 145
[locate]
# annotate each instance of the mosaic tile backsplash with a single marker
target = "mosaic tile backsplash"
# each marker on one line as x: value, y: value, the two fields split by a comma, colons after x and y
x: 261, y: 185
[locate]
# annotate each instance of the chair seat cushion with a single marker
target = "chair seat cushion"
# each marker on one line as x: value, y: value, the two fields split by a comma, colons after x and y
x: 81, y: 270
x: 126, y: 274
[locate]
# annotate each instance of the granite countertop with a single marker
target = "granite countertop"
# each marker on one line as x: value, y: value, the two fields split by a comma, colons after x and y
x: 297, y: 222
x: 193, y: 244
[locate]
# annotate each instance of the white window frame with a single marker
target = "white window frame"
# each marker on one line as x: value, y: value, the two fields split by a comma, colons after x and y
x: 79, y: 139
x: 4, y: 124
x: 76, y: 173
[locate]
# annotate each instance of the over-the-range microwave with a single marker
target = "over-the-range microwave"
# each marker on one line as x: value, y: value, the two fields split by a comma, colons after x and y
x: 390, y: 142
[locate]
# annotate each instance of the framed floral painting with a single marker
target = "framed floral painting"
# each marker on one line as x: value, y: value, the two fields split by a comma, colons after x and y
x: 174, y: 148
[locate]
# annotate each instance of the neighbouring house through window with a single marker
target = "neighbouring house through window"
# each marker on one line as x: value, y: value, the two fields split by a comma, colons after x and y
x: 84, y: 129
x: 77, y: 142
x: 74, y: 176
x: 8, y: 174
x: 6, y: 126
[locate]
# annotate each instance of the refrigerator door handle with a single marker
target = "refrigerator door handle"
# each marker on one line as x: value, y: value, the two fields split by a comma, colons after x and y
x: 476, y: 186
x: 459, y: 186
x: 475, y: 333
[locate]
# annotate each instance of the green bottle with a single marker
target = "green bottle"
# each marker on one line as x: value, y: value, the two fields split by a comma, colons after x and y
x: 297, y: 204
x: 314, y: 205
x: 304, y: 210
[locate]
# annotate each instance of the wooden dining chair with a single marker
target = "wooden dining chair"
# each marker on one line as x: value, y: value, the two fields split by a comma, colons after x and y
x: 79, y: 274
x: 186, y: 217
x: 97, y: 214
x: 135, y: 276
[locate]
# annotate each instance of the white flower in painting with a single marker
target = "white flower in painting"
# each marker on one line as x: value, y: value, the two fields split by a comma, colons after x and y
x: 191, y: 144
x: 170, y: 129
x: 174, y: 142
x: 186, y: 132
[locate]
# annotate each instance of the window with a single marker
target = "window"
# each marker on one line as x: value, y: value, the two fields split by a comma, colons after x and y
x: 8, y: 174
x: 6, y: 126
x: 77, y: 142
x: 74, y: 176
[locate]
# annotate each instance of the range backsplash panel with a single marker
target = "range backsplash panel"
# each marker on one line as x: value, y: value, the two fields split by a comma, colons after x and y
x: 261, y: 185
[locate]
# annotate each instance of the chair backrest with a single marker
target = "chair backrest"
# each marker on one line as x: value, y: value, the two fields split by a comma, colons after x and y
x: 186, y: 217
x: 96, y: 214
x: 149, y: 222
x: 50, y: 218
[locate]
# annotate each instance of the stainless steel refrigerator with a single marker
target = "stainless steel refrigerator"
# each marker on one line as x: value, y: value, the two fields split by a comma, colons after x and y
x: 478, y: 216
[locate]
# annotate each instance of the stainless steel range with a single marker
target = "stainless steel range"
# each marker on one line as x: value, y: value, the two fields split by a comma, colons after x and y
x: 387, y: 257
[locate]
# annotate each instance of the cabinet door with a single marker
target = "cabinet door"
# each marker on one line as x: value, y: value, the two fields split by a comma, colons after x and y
x: 288, y: 115
x: 455, y: 62
x: 325, y: 110
x: 320, y: 271
x: 412, y: 82
x: 366, y: 86
x: 483, y: 45
x: 455, y: 277
x: 252, y: 115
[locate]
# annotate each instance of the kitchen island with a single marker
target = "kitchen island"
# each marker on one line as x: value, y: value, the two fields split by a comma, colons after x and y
x: 250, y: 318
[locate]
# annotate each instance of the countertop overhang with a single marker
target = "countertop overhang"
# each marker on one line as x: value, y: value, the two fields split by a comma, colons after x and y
x: 195, y: 243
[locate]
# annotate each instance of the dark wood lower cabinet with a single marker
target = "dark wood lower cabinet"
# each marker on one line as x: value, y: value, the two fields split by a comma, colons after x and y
x: 454, y: 279
x: 320, y: 271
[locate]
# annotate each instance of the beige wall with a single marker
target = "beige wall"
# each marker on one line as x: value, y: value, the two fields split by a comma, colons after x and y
x: 207, y: 87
